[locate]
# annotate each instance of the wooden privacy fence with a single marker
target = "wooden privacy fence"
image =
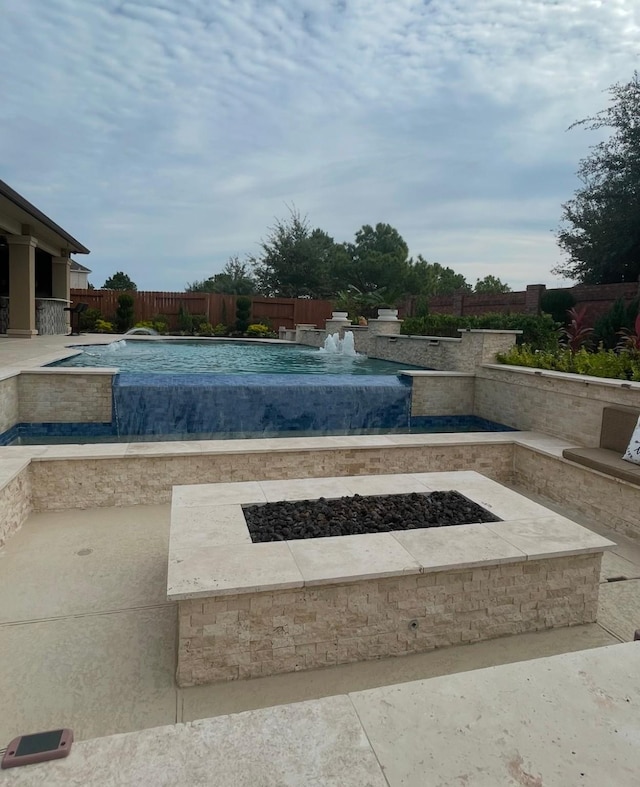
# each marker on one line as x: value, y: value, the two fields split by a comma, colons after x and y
x: 215, y: 308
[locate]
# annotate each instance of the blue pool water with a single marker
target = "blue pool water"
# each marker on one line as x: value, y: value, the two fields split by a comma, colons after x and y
x: 246, y: 390
x: 225, y: 357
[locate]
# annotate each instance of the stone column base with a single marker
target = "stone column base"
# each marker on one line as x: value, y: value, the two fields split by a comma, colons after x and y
x: 20, y: 333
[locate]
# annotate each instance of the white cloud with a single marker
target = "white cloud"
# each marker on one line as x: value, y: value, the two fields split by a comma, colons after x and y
x: 166, y: 135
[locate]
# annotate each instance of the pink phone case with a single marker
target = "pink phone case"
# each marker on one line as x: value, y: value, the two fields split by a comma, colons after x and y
x: 11, y: 759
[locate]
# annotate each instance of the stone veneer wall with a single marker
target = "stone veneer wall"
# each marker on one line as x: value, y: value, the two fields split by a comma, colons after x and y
x: 442, y: 394
x: 84, y: 483
x: 244, y: 636
x: 602, y: 498
x: 565, y: 406
x: 15, y: 504
x: 463, y: 354
x: 51, y: 318
x: 8, y: 403
x: 46, y: 397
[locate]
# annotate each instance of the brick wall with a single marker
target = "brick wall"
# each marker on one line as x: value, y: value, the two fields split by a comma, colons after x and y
x: 597, y: 299
x: 246, y: 636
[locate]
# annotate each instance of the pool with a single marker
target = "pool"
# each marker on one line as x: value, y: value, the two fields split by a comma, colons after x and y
x: 225, y: 356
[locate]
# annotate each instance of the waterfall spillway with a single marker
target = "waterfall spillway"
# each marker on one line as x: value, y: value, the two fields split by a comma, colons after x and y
x: 200, y: 404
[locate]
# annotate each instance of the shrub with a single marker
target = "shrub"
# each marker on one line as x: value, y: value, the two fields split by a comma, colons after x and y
x: 205, y: 329
x: 89, y: 318
x: 103, y: 326
x: 624, y: 365
x: 185, y: 320
x: 557, y: 303
x: 540, y: 331
x: 243, y: 313
x: 259, y: 329
x: 124, y: 312
x: 608, y: 326
x: 221, y: 330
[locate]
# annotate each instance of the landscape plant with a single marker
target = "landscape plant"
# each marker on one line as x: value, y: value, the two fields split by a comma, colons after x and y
x: 243, y: 313
x: 88, y: 319
x: 185, y: 320
x: 259, y: 330
x: 577, y: 333
x: 124, y: 313
x: 624, y: 365
x: 103, y: 326
x: 557, y: 303
x: 539, y: 331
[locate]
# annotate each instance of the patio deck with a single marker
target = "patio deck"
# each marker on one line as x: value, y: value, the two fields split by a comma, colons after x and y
x: 78, y: 583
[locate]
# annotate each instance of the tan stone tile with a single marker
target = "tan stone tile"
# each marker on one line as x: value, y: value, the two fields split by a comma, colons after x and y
x: 550, y: 536
x: 350, y: 558
x: 438, y: 548
x: 224, y: 570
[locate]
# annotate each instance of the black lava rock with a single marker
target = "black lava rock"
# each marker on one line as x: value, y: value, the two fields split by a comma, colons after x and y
x: 348, y: 516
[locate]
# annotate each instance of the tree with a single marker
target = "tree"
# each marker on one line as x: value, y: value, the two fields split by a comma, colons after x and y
x: 119, y: 281
x: 601, y: 232
x: 295, y: 260
x: 491, y: 284
x: 378, y: 260
x: 431, y: 278
x: 234, y: 279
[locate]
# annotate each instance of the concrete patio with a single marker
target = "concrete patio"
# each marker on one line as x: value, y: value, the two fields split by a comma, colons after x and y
x: 88, y: 636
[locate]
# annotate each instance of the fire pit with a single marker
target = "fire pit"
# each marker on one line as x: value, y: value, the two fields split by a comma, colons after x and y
x: 249, y: 609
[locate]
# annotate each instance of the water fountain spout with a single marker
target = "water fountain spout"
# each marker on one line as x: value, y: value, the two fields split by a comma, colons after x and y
x: 334, y: 345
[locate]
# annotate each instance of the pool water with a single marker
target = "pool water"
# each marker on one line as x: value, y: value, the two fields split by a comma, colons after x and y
x: 224, y: 356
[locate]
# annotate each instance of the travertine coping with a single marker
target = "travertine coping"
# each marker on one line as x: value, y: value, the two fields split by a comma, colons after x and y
x: 211, y: 552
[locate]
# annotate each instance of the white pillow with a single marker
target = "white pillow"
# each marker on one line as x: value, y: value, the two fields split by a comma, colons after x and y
x: 632, y: 454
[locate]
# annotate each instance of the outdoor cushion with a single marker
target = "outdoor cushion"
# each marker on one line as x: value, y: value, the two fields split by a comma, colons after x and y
x: 618, y: 424
x: 632, y: 454
x: 604, y: 461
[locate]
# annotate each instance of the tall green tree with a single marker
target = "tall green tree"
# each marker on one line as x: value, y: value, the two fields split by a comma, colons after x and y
x: 119, y: 281
x: 234, y: 279
x: 376, y: 261
x: 601, y: 224
x: 295, y: 260
x: 491, y: 284
x: 432, y: 278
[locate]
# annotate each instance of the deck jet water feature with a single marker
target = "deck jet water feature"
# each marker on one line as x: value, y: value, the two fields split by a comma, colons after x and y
x: 334, y: 345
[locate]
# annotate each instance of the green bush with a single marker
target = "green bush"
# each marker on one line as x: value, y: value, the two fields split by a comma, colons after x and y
x: 205, y: 329
x: 557, y: 303
x: 185, y: 320
x: 103, y: 326
x: 259, y: 330
x: 89, y: 318
x: 624, y: 365
x: 243, y: 313
x: 221, y: 330
x: 124, y: 312
x: 608, y: 326
x: 540, y: 331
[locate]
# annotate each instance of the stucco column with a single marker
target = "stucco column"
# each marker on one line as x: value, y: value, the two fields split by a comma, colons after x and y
x: 22, y: 286
x: 61, y: 282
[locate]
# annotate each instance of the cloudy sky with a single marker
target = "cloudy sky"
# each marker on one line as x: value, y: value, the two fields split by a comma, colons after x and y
x: 166, y: 135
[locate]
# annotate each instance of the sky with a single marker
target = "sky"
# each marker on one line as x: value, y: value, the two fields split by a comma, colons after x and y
x: 168, y: 135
